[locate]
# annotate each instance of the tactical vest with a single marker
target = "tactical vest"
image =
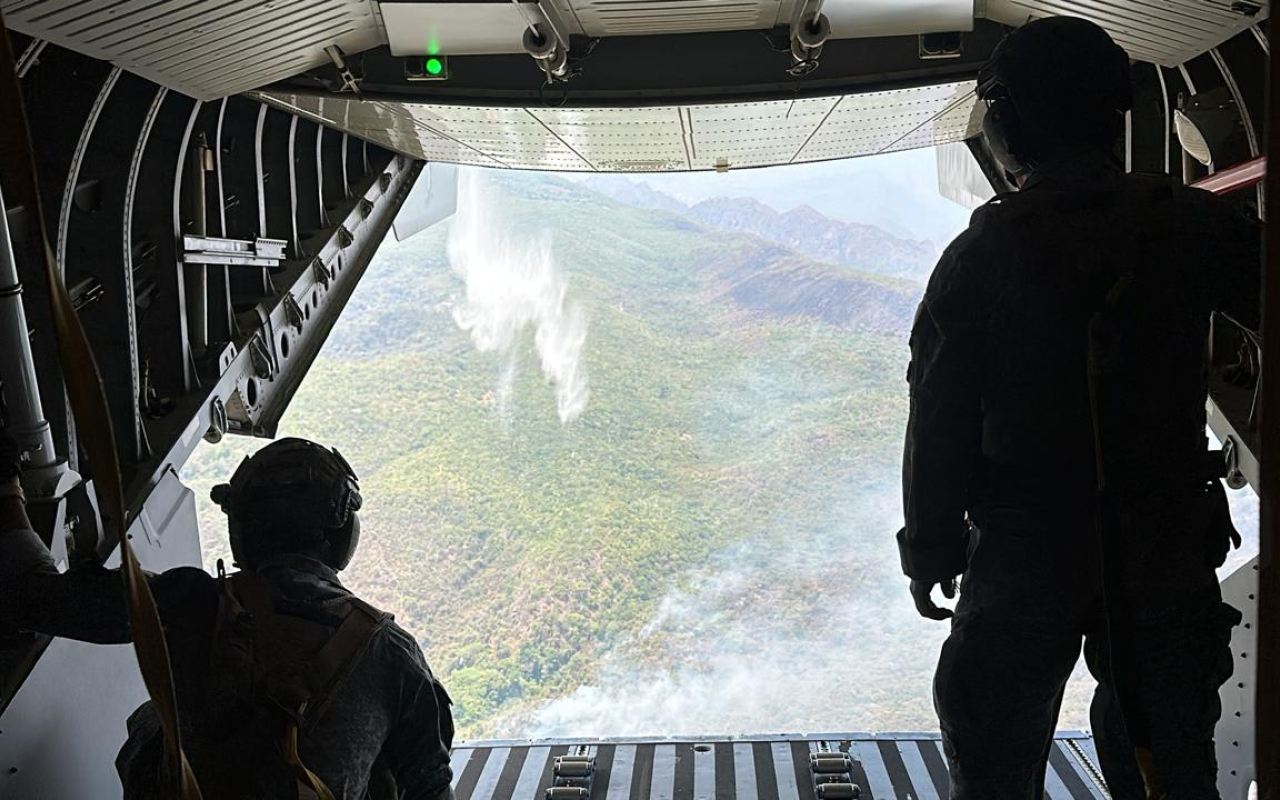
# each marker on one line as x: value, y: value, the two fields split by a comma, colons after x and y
x: 274, y: 666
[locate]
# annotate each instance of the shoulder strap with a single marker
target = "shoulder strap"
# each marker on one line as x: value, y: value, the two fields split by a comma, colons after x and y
x: 343, y: 652
x: 324, y: 672
x: 336, y: 658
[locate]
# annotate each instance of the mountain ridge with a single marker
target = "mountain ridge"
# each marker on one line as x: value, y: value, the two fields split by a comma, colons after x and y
x: 865, y: 247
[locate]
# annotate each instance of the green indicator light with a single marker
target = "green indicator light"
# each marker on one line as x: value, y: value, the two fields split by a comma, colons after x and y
x: 434, y: 66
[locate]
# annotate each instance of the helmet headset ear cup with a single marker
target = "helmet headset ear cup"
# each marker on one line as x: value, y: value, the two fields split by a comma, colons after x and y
x: 1002, y: 127
x: 343, y: 543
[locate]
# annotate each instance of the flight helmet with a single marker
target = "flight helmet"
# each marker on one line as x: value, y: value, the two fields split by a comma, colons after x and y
x: 292, y: 496
x: 1055, y: 82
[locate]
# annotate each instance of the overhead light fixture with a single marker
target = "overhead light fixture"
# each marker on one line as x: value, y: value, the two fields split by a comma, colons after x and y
x: 1209, y: 127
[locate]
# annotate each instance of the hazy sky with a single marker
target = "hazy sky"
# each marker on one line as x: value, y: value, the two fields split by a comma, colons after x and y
x: 895, y: 191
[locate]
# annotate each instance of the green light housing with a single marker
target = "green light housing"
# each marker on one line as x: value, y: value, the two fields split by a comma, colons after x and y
x: 427, y: 68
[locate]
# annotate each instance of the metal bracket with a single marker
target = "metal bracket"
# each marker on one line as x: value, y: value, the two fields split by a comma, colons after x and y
x: 366, y: 208
x: 261, y: 357
x: 87, y: 535
x: 217, y: 421
x: 350, y: 83
x: 321, y: 271
x: 208, y: 250
x: 293, y: 311
x: 810, y: 30
x: 345, y: 237
x: 1231, y: 454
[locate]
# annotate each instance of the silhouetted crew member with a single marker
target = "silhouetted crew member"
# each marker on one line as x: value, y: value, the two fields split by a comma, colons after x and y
x: 249, y: 648
x: 1085, y: 277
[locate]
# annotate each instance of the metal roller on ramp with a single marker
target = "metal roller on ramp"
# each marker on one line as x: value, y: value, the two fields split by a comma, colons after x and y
x: 875, y: 767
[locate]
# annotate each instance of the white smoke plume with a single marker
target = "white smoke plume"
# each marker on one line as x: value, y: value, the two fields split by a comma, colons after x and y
x: 513, y: 285
x: 812, y: 632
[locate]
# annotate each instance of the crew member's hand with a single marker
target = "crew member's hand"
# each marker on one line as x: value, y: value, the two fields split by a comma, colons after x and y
x: 921, y: 593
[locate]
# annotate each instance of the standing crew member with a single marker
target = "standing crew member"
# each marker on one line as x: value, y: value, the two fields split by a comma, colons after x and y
x: 1060, y: 347
x: 275, y: 654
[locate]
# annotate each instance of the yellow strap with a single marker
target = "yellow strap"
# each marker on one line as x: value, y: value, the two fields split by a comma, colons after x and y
x: 93, y: 424
x: 306, y: 778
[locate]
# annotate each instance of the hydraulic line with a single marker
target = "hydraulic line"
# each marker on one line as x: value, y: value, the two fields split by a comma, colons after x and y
x: 23, y: 411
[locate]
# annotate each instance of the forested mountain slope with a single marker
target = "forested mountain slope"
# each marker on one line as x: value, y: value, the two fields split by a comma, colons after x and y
x: 624, y: 472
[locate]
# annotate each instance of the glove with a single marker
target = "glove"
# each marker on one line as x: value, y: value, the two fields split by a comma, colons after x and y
x: 922, y: 594
x: 10, y: 458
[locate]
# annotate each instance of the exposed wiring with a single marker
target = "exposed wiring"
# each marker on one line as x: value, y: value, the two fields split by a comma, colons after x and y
x: 776, y: 43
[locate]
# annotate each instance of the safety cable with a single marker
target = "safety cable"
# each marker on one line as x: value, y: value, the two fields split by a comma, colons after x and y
x: 93, y: 424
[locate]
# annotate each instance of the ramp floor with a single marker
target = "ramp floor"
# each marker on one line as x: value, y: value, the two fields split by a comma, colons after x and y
x: 883, y: 766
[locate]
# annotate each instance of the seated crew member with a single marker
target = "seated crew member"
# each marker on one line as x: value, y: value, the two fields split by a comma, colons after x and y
x: 1061, y: 340
x: 245, y: 646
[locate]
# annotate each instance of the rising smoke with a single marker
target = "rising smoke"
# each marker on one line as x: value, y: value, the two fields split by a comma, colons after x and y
x: 811, y: 632
x: 512, y: 285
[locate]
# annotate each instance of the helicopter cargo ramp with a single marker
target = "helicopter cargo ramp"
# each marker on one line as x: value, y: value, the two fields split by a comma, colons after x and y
x: 849, y: 766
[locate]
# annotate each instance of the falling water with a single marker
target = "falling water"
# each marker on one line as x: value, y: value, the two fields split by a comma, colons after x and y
x: 512, y: 284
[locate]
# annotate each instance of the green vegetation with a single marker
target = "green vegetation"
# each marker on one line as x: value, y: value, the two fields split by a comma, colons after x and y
x: 520, y: 550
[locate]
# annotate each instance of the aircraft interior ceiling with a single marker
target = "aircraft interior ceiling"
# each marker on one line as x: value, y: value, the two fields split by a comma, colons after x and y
x: 210, y: 49
x: 656, y: 138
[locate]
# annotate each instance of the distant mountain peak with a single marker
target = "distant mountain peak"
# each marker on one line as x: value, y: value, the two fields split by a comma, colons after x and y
x: 808, y: 213
x: 635, y: 193
x: 804, y: 229
x: 738, y: 202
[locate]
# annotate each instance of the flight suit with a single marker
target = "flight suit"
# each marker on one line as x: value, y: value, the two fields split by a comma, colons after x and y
x: 388, y: 714
x: 1087, y: 289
